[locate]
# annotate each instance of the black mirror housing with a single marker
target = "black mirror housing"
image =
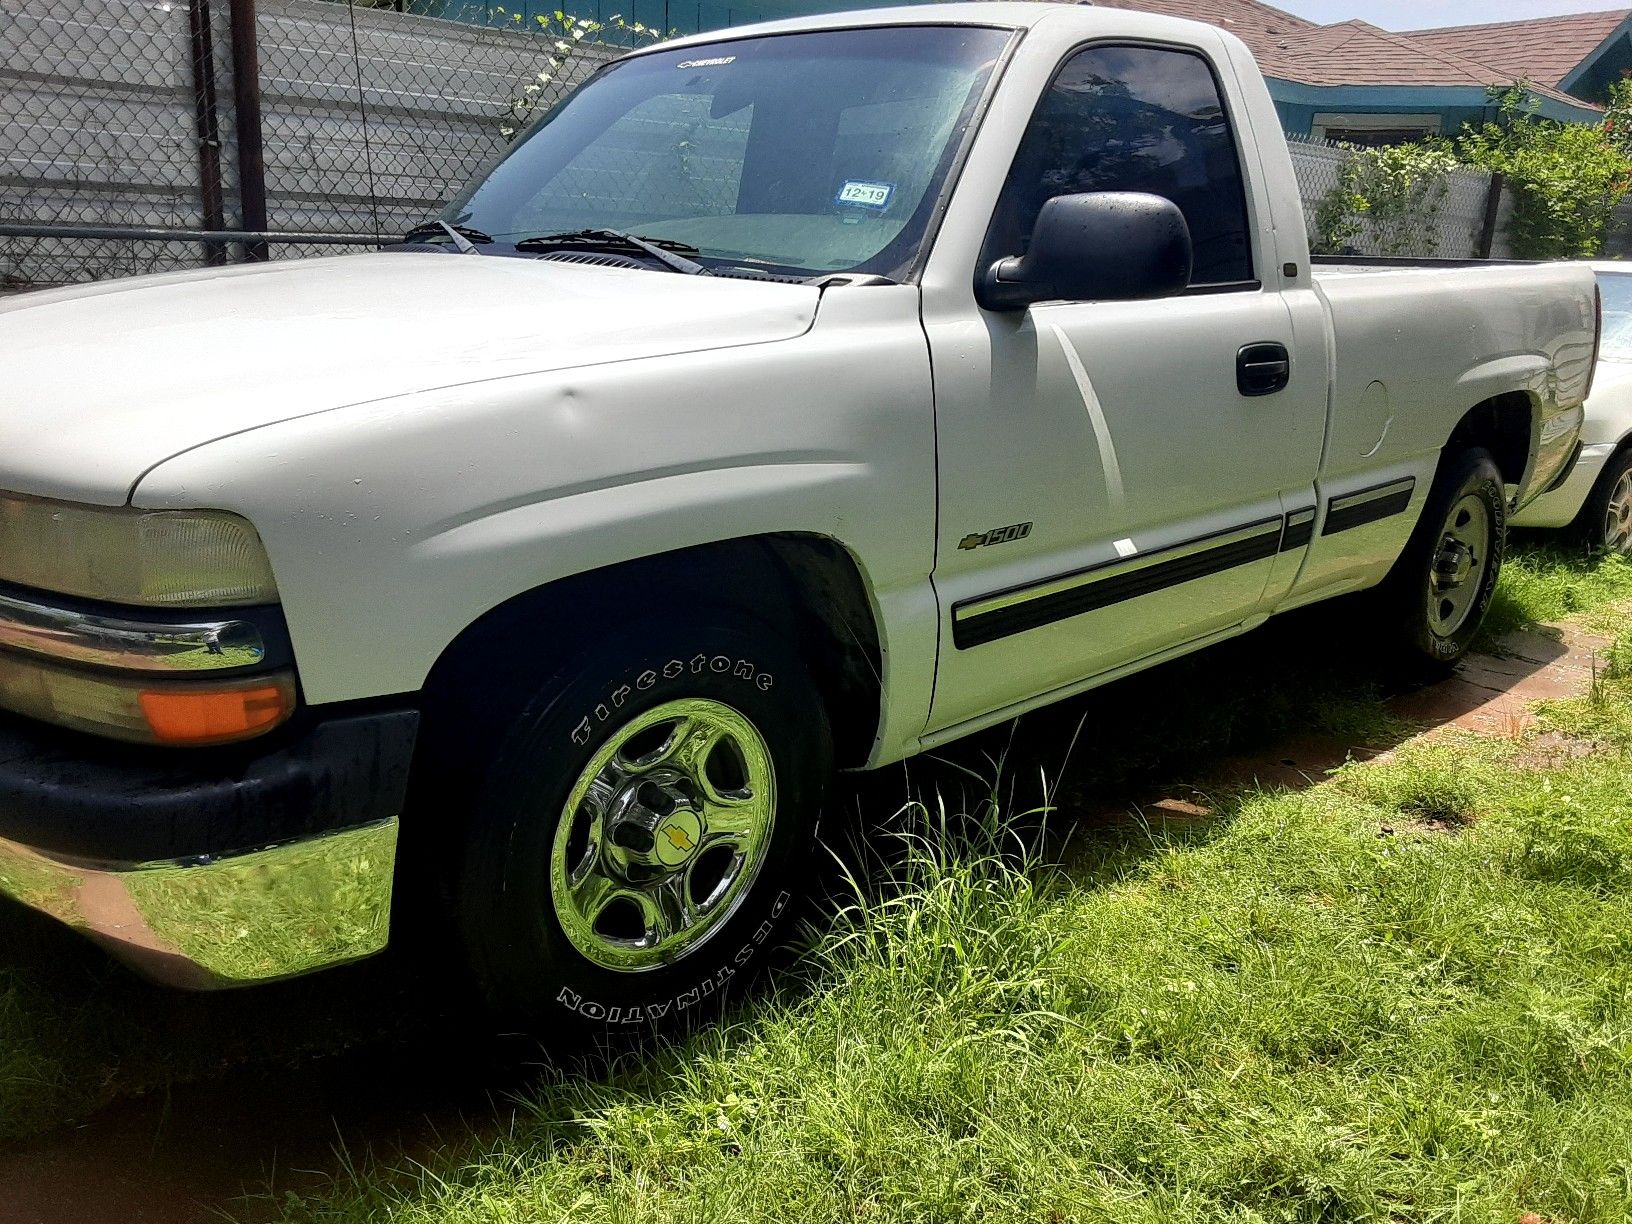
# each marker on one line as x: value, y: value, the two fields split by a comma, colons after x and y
x: 1101, y: 246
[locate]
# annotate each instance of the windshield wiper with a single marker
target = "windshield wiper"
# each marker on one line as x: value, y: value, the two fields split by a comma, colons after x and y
x: 670, y: 254
x: 464, y: 238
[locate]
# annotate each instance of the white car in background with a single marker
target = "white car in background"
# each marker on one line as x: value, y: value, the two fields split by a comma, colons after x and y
x: 1595, y: 501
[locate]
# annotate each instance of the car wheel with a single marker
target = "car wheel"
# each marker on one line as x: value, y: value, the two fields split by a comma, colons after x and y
x: 641, y: 843
x: 1439, y: 590
x: 1605, y: 521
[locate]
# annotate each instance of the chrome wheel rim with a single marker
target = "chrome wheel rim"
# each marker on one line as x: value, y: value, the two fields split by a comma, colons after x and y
x: 662, y: 834
x: 1618, y: 515
x: 1459, y: 565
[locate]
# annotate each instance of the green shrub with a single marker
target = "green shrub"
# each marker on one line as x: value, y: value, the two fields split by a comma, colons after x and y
x: 1388, y: 198
x: 1566, y: 178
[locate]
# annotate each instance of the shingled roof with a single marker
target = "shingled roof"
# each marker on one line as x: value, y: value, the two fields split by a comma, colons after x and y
x: 1268, y: 31
x: 1358, y: 53
x: 1545, y: 50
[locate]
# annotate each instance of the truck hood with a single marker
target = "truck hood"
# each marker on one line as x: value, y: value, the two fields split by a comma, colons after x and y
x: 101, y: 382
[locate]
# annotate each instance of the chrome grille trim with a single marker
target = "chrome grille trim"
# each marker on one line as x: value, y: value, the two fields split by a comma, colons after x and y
x: 172, y: 648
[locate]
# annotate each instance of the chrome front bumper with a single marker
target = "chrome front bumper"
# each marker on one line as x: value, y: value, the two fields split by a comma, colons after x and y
x: 210, y: 868
x: 210, y: 922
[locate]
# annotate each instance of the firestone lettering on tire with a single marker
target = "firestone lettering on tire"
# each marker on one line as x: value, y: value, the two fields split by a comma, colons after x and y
x: 741, y: 669
x: 644, y: 1013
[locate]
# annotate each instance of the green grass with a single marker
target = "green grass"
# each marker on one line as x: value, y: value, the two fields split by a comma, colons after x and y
x: 1398, y: 996
x: 1402, y: 995
x: 1543, y: 584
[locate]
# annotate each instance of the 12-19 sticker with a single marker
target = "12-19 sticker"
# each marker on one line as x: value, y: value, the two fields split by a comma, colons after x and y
x: 865, y: 195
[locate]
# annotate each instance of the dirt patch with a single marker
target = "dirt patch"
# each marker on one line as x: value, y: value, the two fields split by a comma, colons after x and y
x: 1550, y: 749
x: 1433, y: 822
x: 233, y: 1144
x: 1492, y: 694
x: 1295, y: 765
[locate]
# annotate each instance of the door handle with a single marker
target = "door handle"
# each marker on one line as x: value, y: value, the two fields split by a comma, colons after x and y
x: 1263, y: 368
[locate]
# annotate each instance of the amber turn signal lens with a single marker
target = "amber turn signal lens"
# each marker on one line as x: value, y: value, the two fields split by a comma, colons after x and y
x: 178, y: 716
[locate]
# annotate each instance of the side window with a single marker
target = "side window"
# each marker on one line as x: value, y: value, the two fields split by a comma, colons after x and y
x: 1134, y: 119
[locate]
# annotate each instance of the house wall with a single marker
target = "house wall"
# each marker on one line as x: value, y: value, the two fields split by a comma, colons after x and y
x: 1611, y: 66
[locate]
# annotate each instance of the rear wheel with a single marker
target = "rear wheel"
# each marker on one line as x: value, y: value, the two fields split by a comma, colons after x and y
x: 1439, y: 590
x: 642, y: 838
x: 1605, y: 521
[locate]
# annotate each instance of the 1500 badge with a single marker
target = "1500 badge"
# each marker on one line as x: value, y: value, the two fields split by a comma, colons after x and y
x: 998, y: 535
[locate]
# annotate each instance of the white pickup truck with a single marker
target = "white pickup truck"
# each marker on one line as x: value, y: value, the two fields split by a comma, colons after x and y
x: 801, y: 396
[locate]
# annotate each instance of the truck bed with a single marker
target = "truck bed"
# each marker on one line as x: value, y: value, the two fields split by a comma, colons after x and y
x: 1406, y: 330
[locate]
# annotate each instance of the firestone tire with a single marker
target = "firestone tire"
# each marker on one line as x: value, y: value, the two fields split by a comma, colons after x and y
x: 1439, y: 590
x: 642, y: 843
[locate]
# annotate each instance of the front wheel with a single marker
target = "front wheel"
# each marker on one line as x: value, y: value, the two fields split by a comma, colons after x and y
x: 644, y: 835
x: 1439, y: 590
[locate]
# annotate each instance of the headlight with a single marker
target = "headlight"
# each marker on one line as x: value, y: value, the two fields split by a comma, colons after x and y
x: 154, y: 558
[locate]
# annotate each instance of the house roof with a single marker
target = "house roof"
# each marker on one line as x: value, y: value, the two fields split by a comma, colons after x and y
x: 1545, y: 50
x: 1358, y: 53
x: 1267, y: 31
x: 1354, y: 52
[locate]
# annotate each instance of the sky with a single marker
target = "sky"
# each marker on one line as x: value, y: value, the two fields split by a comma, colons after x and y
x: 1422, y: 14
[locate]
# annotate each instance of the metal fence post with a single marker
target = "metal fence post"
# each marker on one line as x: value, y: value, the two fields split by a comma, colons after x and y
x: 246, y: 98
x: 209, y: 126
x: 1493, y: 208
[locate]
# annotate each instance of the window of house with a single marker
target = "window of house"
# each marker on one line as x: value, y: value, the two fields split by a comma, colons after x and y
x: 1134, y: 119
x: 1374, y: 131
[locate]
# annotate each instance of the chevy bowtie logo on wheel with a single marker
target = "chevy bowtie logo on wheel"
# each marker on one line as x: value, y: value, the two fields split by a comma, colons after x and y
x: 679, y: 838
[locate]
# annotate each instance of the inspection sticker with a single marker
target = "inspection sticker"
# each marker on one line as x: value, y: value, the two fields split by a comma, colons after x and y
x: 865, y: 195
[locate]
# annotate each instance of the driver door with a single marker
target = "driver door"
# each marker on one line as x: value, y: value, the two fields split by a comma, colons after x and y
x: 1110, y: 487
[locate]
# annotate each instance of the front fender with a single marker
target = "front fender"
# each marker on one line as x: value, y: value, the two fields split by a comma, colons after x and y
x: 394, y: 525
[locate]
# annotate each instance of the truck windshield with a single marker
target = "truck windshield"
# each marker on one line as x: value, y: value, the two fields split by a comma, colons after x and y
x: 798, y: 154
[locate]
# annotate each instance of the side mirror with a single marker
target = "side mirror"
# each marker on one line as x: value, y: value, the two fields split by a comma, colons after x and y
x: 1104, y: 246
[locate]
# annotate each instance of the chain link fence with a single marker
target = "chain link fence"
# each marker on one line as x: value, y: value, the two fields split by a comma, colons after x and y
x: 1458, y: 215
x: 373, y: 118
x: 150, y: 135
x: 106, y: 119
